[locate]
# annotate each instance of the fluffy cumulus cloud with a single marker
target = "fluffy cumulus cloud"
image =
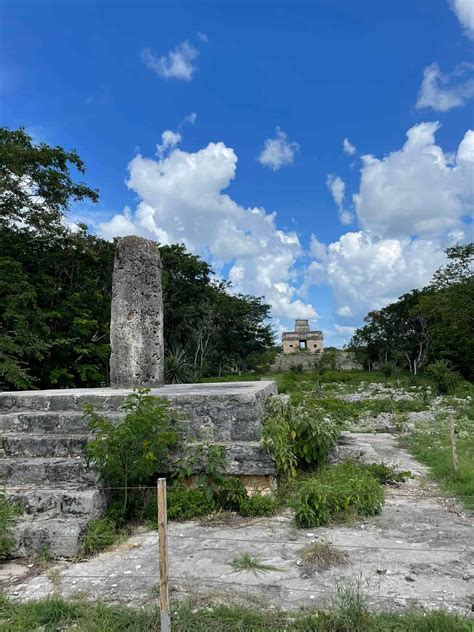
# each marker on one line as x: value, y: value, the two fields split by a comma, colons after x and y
x: 367, y: 272
x: 419, y: 189
x: 442, y: 92
x: 348, y: 147
x: 411, y: 205
x: 169, y: 139
x: 278, y: 152
x: 181, y: 199
x: 337, y: 187
x: 464, y: 9
x: 176, y: 64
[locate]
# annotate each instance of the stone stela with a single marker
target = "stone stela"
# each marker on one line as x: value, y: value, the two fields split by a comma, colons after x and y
x: 136, y: 325
x: 302, y: 339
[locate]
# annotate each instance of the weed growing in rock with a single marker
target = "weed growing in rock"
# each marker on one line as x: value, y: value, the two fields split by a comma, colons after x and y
x: 349, y: 608
x: 320, y: 556
x: 247, y: 562
x: 337, y: 493
x: 387, y: 475
x: 99, y: 534
x: 8, y: 513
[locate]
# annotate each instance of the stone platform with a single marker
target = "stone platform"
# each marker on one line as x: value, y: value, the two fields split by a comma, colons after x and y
x: 42, y: 439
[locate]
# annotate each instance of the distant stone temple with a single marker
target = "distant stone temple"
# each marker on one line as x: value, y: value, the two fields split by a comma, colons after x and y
x: 302, y: 339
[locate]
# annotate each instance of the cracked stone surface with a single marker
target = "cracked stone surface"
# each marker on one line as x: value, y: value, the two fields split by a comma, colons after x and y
x: 417, y: 552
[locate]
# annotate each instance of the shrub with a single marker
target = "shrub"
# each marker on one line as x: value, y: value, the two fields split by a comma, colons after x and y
x: 444, y: 379
x: 298, y: 433
x: 314, y: 433
x: 277, y: 435
x: 178, y: 369
x: 99, y: 534
x: 336, y: 494
x: 296, y: 368
x: 258, y: 505
x: 231, y: 494
x: 185, y: 503
x: 8, y: 513
x: 134, y: 449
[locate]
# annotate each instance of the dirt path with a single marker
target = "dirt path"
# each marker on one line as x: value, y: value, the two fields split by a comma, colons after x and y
x: 418, y: 551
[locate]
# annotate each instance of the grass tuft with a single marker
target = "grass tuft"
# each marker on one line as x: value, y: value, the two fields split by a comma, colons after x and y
x: 247, y: 562
x: 320, y: 556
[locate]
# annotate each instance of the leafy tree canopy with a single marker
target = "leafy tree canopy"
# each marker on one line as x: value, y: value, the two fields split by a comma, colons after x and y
x: 55, y: 284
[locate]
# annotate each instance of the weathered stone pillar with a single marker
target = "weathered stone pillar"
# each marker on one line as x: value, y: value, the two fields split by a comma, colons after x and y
x: 136, y: 326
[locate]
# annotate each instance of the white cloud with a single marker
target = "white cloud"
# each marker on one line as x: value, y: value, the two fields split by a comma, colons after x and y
x: 344, y: 310
x: 190, y: 119
x: 169, y: 140
x: 202, y: 36
x: 317, y: 248
x: 344, y: 329
x: 464, y: 9
x: 348, y: 147
x: 176, y: 64
x: 411, y: 205
x: 418, y: 190
x: 278, y: 151
x: 337, y: 187
x: 182, y: 200
x: 442, y: 92
x: 367, y: 272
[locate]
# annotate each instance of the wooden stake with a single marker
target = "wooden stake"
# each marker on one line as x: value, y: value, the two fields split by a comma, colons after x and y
x: 163, y: 552
x: 454, y: 454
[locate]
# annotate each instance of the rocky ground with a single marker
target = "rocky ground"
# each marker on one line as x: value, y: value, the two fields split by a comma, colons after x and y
x: 417, y: 552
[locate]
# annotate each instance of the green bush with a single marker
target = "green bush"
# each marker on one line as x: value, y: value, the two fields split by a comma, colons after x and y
x: 443, y: 378
x: 129, y: 452
x: 258, y: 505
x: 100, y: 533
x: 298, y: 432
x: 277, y: 435
x: 314, y: 433
x: 230, y: 494
x: 337, y: 493
x: 8, y: 513
x: 186, y: 504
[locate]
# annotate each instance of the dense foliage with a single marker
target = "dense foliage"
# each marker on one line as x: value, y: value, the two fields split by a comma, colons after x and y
x: 130, y: 451
x: 298, y: 433
x: 425, y: 326
x: 55, y: 286
x: 336, y: 493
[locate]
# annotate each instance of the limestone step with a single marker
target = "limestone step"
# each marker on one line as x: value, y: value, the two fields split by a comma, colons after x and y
x: 46, y: 472
x: 58, y: 501
x: 70, y: 422
x: 42, y: 445
x: 59, y: 537
x: 61, y: 400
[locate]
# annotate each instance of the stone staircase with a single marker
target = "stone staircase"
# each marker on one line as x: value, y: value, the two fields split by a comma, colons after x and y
x: 43, y: 469
x: 42, y: 439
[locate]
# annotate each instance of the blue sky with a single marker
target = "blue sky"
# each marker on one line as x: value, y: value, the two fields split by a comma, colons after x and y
x: 255, y: 99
